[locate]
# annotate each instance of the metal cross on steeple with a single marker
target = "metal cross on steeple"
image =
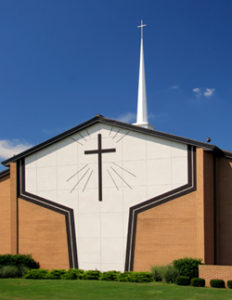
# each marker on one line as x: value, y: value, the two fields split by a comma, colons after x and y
x: 141, y: 26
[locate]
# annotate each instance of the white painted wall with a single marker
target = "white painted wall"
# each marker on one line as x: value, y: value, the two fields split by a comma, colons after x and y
x: 149, y: 166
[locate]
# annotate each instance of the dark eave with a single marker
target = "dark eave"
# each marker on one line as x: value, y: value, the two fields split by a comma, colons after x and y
x: 4, y: 173
x: 110, y: 122
x: 227, y: 154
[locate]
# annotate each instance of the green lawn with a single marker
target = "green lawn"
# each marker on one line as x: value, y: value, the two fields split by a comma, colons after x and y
x: 17, y: 289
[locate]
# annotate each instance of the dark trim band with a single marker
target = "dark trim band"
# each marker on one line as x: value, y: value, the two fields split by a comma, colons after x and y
x: 66, y: 211
x: 176, y: 193
x: 121, y: 125
x: 4, y: 173
x: 215, y: 206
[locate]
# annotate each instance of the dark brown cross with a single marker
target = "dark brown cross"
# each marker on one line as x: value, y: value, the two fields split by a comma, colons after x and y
x: 99, y: 151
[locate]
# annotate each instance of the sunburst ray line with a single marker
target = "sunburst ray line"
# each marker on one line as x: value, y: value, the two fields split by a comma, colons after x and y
x: 77, y: 172
x: 82, y: 137
x: 122, y: 137
x: 110, y: 131
x: 112, y: 179
x: 116, y: 134
x: 121, y: 178
x: 87, y: 132
x: 124, y: 169
x: 79, y: 180
x: 76, y: 141
x: 87, y: 181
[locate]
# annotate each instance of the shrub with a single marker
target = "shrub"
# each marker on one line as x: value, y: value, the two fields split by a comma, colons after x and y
x: 140, y: 277
x: 56, y: 274
x: 136, y: 277
x: 157, y: 275
x: 92, y: 275
x: 159, y: 272
x: 74, y: 274
x: 199, y: 282
x: 182, y: 280
x: 125, y: 277
x: 110, y: 275
x: 165, y: 273
x: 18, y: 260
x: 170, y: 274
x: 229, y: 284
x: 10, y: 272
x: 217, y: 283
x: 36, y: 274
x: 70, y: 274
x: 187, y: 266
x: 80, y: 273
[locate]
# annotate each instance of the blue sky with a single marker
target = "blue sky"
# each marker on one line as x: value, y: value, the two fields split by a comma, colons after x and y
x: 64, y: 61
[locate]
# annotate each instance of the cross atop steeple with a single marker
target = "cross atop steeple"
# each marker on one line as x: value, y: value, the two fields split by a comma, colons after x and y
x: 142, y: 116
x: 141, y: 26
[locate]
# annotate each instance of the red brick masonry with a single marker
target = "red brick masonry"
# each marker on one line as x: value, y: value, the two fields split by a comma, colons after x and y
x: 209, y: 272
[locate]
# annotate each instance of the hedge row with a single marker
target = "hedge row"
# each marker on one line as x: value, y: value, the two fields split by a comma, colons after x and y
x: 89, y: 275
x: 182, y: 272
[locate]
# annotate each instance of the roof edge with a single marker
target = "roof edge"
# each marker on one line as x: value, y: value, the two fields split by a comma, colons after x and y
x: 4, y: 173
x: 111, y: 122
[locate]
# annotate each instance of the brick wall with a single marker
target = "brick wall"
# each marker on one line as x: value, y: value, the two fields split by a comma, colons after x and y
x: 209, y: 272
x: 174, y: 229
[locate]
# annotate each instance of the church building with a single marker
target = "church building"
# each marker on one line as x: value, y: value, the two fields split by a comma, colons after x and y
x: 109, y: 195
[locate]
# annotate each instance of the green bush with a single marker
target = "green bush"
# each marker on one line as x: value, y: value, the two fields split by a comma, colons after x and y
x: 110, y: 275
x: 229, y: 284
x: 217, y: 283
x: 166, y: 273
x: 92, y: 275
x: 170, y: 274
x: 10, y: 272
x: 80, y: 273
x: 182, y: 280
x: 36, y: 274
x: 157, y: 274
x: 187, y: 266
x: 136, y: 277
x: 22, y: 270
x: 125, y: 277
x: 199, y: 282
x: 18, y: 260
x: 74, y: 274
x: 13, y: 271
x: 141, y: 277
x: 56, y: 274
x: 70, y: 274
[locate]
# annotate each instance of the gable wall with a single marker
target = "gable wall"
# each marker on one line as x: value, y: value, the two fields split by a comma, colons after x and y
x: 140, y: 168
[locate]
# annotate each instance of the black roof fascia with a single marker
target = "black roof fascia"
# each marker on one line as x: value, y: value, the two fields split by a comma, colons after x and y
x: 4, y: 173
x: 227, y: 154
x: 101, y: 119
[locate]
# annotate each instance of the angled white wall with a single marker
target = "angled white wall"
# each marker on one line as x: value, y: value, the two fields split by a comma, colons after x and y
x: 141, y: 168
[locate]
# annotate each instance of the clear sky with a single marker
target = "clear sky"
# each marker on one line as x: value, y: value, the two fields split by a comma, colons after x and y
x: 64, y: 61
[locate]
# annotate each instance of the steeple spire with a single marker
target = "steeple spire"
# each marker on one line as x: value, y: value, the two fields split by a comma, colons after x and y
x: 142, y: 116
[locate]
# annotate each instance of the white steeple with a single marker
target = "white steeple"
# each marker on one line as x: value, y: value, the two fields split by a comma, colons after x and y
x: 142, y: 116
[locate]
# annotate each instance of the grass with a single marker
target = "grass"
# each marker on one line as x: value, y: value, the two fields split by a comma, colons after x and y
x: 17, y: 289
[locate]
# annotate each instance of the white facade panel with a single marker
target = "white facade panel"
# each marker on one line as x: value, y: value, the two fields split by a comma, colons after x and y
x: 140, y: 168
